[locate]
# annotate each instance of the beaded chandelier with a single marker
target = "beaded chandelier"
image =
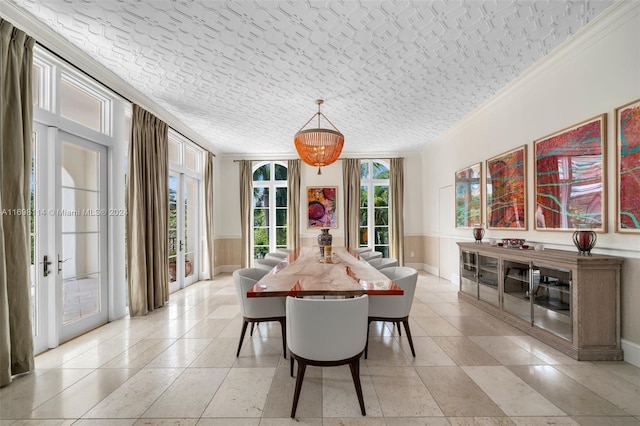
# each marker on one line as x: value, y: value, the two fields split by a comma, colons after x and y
x: 319, y: 147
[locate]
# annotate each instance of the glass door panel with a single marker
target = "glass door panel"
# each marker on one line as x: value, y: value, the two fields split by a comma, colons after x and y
x: 488, y: 280
x: 184, y: 230
x: 191, y: 229
x: 173, y: 229
x: 552, y: 301
x: 469, y: 273
x: 81, y: 208
x: 516, y: 289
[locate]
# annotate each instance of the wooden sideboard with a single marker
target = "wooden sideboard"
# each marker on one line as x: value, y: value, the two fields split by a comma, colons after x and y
x: 568, y: 301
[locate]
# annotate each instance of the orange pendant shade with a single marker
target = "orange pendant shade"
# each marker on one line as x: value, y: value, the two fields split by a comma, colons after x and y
x: 319, y: 147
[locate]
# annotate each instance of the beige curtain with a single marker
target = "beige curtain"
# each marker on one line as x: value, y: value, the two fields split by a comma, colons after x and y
x: 147, y: 219
x: 16, y: 114
x: 209, y: 210
x: 293, y: 204
x: 396, y: 195
x: 351, y: 184
x: 246, y: 195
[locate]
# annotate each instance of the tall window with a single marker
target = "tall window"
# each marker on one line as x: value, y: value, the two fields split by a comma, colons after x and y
x: 374, y: 206
x: 269, y: 208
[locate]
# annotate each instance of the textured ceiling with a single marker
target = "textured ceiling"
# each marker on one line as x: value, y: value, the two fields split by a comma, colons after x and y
x: 245, y: 74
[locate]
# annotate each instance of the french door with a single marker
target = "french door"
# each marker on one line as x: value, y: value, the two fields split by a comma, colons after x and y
x: 68, y: 236
x: 184, y: 204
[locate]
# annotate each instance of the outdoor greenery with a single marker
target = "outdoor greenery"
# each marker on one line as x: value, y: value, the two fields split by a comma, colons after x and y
x: 263, y: 212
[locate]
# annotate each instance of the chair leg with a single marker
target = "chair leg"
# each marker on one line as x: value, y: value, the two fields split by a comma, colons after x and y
x: 302, y: 367
x: 283, y: 327
x: 406, y: 328
x: 366, y: 346
x: 244, y: 330
x: 291, y: 363
x: 355, y: 373
x: 253, y: 324
x: 399, y: 329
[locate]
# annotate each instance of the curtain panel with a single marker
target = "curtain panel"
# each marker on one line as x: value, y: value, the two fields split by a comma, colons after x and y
x: 147, y: 219
x: 293, y: 204
x: 16, y: 115
x: 396, y: 195
x: 246, y: 196
x: 351, y: 184
x: 209, y: 210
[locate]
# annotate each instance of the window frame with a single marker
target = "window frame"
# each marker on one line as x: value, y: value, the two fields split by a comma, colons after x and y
x: 272, y: 184
x: 370, y: 183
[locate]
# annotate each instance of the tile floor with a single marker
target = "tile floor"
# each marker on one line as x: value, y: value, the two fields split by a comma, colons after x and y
x: 177, y: 366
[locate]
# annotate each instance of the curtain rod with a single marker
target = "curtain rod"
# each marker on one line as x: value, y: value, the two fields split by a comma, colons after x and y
x: 111, y: 89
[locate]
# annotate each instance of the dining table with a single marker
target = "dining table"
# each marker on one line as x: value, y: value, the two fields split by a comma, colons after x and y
x: 305, y: 272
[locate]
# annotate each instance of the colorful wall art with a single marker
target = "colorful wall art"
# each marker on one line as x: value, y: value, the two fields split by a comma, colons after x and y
x: 507, y: 190
x: 322, y: 207
x: 628, y: 167
x: 469, y: 196
x: 570, y: 177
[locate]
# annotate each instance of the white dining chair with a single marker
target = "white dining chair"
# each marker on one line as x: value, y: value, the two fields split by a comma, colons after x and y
x: 327, y: 333
x: 276, y: 255
x: 383, y: 262
x: 258, y: 309
x: 361, y: 250
x: 395, y: 309
x: 369, y: 255
x: 266, y: 263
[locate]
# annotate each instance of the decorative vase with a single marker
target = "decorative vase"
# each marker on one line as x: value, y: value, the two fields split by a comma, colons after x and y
x: 478, y: 233
x: 584, y: 239
x: 324, y: 239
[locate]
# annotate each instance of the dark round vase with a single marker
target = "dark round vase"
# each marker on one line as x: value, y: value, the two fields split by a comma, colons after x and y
x: 585, y: 240
x: 324, y: 239
x: 478, y: 233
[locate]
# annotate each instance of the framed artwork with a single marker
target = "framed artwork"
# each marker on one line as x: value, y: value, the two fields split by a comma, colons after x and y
x: 570, y: 174
x: 507, y: 190
x: 322, y: 207
x: 628, y: 167
x: 469, y: 196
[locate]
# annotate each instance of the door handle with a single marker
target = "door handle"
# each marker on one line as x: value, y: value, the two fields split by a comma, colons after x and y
x: 181, y: 245
x: 60, y: 262
x: 45, y: 266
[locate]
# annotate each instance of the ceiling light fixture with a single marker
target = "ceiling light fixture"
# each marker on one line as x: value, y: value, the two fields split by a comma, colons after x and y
x: 319, y: 147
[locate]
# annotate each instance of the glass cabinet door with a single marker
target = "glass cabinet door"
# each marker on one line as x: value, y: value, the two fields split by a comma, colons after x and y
x: 551, y: 292
x: 516, y: 298
x: 469, y: 273
x: 488, y: 280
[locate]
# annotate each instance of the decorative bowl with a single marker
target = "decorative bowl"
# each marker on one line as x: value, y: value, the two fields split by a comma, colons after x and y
x: 513, y: 242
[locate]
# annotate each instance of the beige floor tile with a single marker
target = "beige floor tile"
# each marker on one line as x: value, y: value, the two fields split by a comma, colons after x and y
x: 136, y: 395
x: 419, y: 309
x: 180, y: 354
x: 417, y: 421
x: 427, y: 352
x: 219, y: 353
x: 49, y: 422
x: 224, y: 312
x: 53, y: 358
x: 166, y: 422
x: 105, y: 422
x: 339, y: 398
x: 609, y: 421
x: 291, y: 422
x: 436, y: 326
x: 260, y: 352
x: 627, y: 371
x: 77, y: 399
x: 101, y: 354
x: 481, y: 421
x: 174, y: 329
x: 464, y: 351
x: 472, y: 325
x: 30, y: 391
x: 280, y: 397
x: 541, y: 350
x: 140, y: 354
x: 456, y: 394
x: 505, y: 351
x: 350, y: 421
x: 402, y: 393
x: 569, y: 395
x: 229, y: 422
x: 207, y: 329
x: 511, y: 393
x: 180, y: 400
x: 242, y: 394
x: 606, y: 384
x: 544, y: 421
x: 385, y: 350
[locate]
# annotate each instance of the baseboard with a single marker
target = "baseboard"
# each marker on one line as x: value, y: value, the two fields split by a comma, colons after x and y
x: 225, y: 269
x: 432, y: 270
x: 631, y: 352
